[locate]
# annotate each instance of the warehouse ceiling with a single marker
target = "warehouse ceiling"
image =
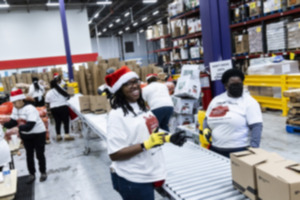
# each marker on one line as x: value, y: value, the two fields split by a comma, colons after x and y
x: 116, y: 18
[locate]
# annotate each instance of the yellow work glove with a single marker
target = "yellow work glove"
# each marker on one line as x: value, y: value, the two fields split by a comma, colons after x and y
x: 206, y: 138
x: 178, y: 138
x: 155, y: 139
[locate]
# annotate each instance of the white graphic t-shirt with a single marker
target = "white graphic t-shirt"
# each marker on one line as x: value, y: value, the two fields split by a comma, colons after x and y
x: 145, y: 167
x: 229, y: 119
x: 29, y: 114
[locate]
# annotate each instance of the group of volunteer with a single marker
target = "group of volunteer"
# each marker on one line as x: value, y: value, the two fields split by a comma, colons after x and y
x: 32, y: 130
x: 137, y: 126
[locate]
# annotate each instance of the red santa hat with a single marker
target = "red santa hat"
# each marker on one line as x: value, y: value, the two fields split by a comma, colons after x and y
x: 16, y: 94
x: 150, y: 76
x: 119, y: 77
x: 55, y: 75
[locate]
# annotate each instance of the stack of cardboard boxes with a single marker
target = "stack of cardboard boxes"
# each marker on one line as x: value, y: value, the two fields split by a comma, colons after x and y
x: 274, y: 5
x: 276, y: 35
x: 255, y: 39
x: 241, y: 44
x: 259, y: 174
x: 94, y: 104
x: 293, y: 3
x: 293, y: 32
x: 294, y: 105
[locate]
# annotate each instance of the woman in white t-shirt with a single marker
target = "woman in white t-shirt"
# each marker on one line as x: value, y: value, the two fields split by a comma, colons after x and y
x: 159, y: 100
x: 57, y: 99
x: 37, y: 92
x: 32, y: 132
x: 4, y: 150
x: 136, y: 165
x: 234, y: 117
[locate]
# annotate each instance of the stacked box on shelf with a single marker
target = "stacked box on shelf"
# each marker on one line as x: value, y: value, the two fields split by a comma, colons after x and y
x: 190, y: 4
x: 254, y: 8
x: 276, y: 36
x: 293, y: 3
x: 273, y: 5
x: 241, y: 44
x: 255, y: 39
x: 194, y: 25
x: 293, y: 32
x: 176, y: 7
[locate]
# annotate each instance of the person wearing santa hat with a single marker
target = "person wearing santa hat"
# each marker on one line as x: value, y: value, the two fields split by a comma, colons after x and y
x: 57, y: 100
x: 159, y: 100
x: 32, y: 132
x: 133, y: 142
x: 59, y: 80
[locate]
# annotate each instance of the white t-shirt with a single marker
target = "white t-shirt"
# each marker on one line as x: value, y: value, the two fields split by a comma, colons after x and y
x: 229, y: 119
x: 33, y: 93
x: 55, y: 99
x: 157, y: 95
x: 4, y: 149
x: 29, y: 114
x: 124, y: 131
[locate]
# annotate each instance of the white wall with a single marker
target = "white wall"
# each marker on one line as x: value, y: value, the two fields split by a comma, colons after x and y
x: 109, y: 47
x: 39, y: 34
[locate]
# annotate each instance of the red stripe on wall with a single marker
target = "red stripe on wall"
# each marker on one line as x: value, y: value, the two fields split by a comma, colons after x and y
x: 47, y: 61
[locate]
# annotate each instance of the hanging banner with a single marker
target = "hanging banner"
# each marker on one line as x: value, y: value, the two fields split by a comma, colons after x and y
x: 218, y: 68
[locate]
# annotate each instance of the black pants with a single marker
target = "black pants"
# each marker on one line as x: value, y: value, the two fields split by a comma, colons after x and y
x: 61, y: 115
x: 38, y: 103
x: 35, y: 143
x: 226, y: 152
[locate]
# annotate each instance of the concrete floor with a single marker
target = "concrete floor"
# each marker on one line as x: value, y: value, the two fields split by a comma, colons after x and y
x: 74, y: 176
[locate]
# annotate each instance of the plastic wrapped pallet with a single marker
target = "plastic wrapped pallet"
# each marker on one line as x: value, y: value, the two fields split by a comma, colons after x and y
x: 254, y: 8
x: 284, y: 67
x: 293, y: 2
x: 255, y: 39
x: 276, y: 34
x: 293, y: 30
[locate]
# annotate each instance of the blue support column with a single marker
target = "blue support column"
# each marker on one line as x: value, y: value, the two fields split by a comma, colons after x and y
x: 215, y: 35
x: 66, y: 39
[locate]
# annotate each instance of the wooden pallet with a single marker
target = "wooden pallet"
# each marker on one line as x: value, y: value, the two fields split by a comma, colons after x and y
x: 293, y: 129
x: 293, y: 121
x: 292, y: 93
x: 293, y: 105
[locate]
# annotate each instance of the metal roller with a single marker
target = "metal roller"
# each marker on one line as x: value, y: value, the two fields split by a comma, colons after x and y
x: 195, y: 173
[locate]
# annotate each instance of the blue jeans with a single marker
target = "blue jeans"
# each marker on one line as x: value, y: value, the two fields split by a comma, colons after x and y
x: 163, y: 116
x: 132, y: 191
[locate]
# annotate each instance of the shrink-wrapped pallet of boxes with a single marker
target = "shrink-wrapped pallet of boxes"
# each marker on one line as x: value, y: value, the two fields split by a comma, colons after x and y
x: 276, y: 34
x: 255, y: 39
x: 293, y: 33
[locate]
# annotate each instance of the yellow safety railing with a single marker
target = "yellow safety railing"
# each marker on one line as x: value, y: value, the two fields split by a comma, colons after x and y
x: 283, y: 81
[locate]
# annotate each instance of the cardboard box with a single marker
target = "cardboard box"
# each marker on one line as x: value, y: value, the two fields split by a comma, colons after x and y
x: 284, y: 67
x: 293, y: 2
x: 70, y: 91
x: 163, y: 29
x: 279, y: 181
x: 149, y: 34
x: 243, y: 166
x: 183, y: 106
x: 255, y: 39
x: 293, y: 34
x: 195, y: 52
x: 241, y: 44
x: 155, y: 31
x: 254, y: 8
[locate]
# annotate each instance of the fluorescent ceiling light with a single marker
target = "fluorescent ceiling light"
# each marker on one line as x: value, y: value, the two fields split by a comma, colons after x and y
x: 127, y: 14
x: 149, y: 1
x: 135, y: 24
x: 149, y: 27
x: 118, y: 20
x: 141, y: 31
x: 103, y: 3
x: 99, y: 33
x: 144, y: 19
x: 111, y: 25
x: 155, y: 13
x: 159, y: 22
x: 52, y: 4
x: 90, y: 21
x: 97, y: 15
x: 120, y: 32
x: 127, y: 28
x: 4, y: 5
x: 104, y: 30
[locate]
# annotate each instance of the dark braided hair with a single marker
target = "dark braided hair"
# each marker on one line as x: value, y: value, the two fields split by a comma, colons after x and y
x: 118, y: 100
x: 54, y: 85
x: 36, y: 84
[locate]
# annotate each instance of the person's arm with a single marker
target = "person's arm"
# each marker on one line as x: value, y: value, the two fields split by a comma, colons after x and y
x: 155, y: 139
x: 27, y: 127
x: 256, y: 130
x: 126, y: 152
x: 12, y: 123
